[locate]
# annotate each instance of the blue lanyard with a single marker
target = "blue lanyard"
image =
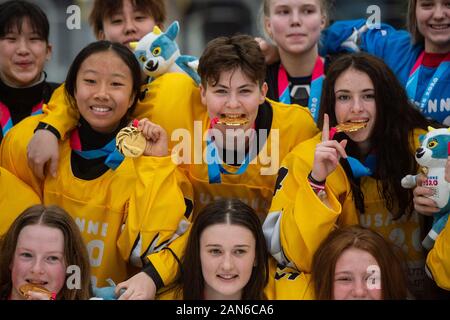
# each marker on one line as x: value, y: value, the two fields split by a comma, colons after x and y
x: 413, y: 80
x: 113, y: 157
x: 362, y: 169
x: 215, y: 167
x: 284, y: 94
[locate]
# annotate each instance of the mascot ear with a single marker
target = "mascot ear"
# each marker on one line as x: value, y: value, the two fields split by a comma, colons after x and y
x: 156, y: 30
x: 133, y: 45
x: 173, y: 29
x: 421, y: 138
x: 430, y: 129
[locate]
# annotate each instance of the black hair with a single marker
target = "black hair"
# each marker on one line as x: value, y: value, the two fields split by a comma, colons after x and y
x: 13, y: 14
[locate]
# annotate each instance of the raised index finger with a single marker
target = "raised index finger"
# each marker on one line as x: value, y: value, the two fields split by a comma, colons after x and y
x: 326, y: 128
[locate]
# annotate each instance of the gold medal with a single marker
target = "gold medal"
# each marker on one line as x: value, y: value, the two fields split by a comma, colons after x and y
x: 131, y: 142
x: 24, y: 289
x: 233, y: 121
x: 350, y: 126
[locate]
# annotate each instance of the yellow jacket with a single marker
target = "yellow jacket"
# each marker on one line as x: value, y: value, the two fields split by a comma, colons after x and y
x: 15, y: 197
x: 438, y: 259
x: 123, y: 214
x: 173, y: 101
x: 299, y: 221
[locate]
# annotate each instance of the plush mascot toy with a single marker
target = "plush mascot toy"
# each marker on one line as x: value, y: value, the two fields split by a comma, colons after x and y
x: 158, y: 53
x: 433, y: 155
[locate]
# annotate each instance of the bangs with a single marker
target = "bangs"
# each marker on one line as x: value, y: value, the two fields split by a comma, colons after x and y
x: 112, y: 7
x: 16, y: 25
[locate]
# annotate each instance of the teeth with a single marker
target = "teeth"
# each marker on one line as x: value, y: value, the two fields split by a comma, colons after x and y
x: 228, y: 277
x: 232, y: 116
x: 440, y: 27
x: 101, y: 109
x: 37, y: 282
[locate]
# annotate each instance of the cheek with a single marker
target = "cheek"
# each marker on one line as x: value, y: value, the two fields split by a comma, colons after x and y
x: 314, y: 24
x: 208, y: 268
x: 252, y: 105
x: 146, y: 27
x: 214, y: 106
x: 375, y: 294
x: 339, y: 292
x: 340, y: 111
x: 5, y: 52
x: 18, y: 270
x: 111, y: 33
x: 246, y: 265
x: 421, y: 18
x: 278, y: 26
x: 59, y: 275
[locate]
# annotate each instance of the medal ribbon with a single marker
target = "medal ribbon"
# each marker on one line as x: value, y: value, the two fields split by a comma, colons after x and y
x: 113, y: 157
x: 363, y: 169
x: 318, y: 75
x: 5, y: 116
x: 215, y: 168
x: 359, y: 169
x: 413, y: 80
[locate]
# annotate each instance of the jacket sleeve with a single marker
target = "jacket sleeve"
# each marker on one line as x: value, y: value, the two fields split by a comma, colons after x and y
x: 165, y: 264
x: 160, y: 211
x: 15, y: 197
x: 59, y: 113
x: 288, y: 284
x: 359, y: 35
x: 298, y: 220
x: 438, y: 259
x: 13, y: 152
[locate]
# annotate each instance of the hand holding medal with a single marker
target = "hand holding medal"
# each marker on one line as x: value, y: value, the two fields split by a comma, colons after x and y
x: 328, y: 153
x: 142, y: 138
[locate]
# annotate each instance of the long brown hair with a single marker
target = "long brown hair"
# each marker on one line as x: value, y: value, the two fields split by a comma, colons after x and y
x: 389, y: 259
x: 234, y: 212
x: 411, y: 23
x: 75, y: 252
x: 391, y: 138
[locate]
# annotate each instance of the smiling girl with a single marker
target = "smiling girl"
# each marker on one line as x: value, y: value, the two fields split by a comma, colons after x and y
x: 24, y: 50
x: 225, y: 256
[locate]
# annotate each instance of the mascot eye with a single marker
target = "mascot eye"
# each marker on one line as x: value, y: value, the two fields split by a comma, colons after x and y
x: 156, y: 52
x: 432, y: 144
x: 142, y: 59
